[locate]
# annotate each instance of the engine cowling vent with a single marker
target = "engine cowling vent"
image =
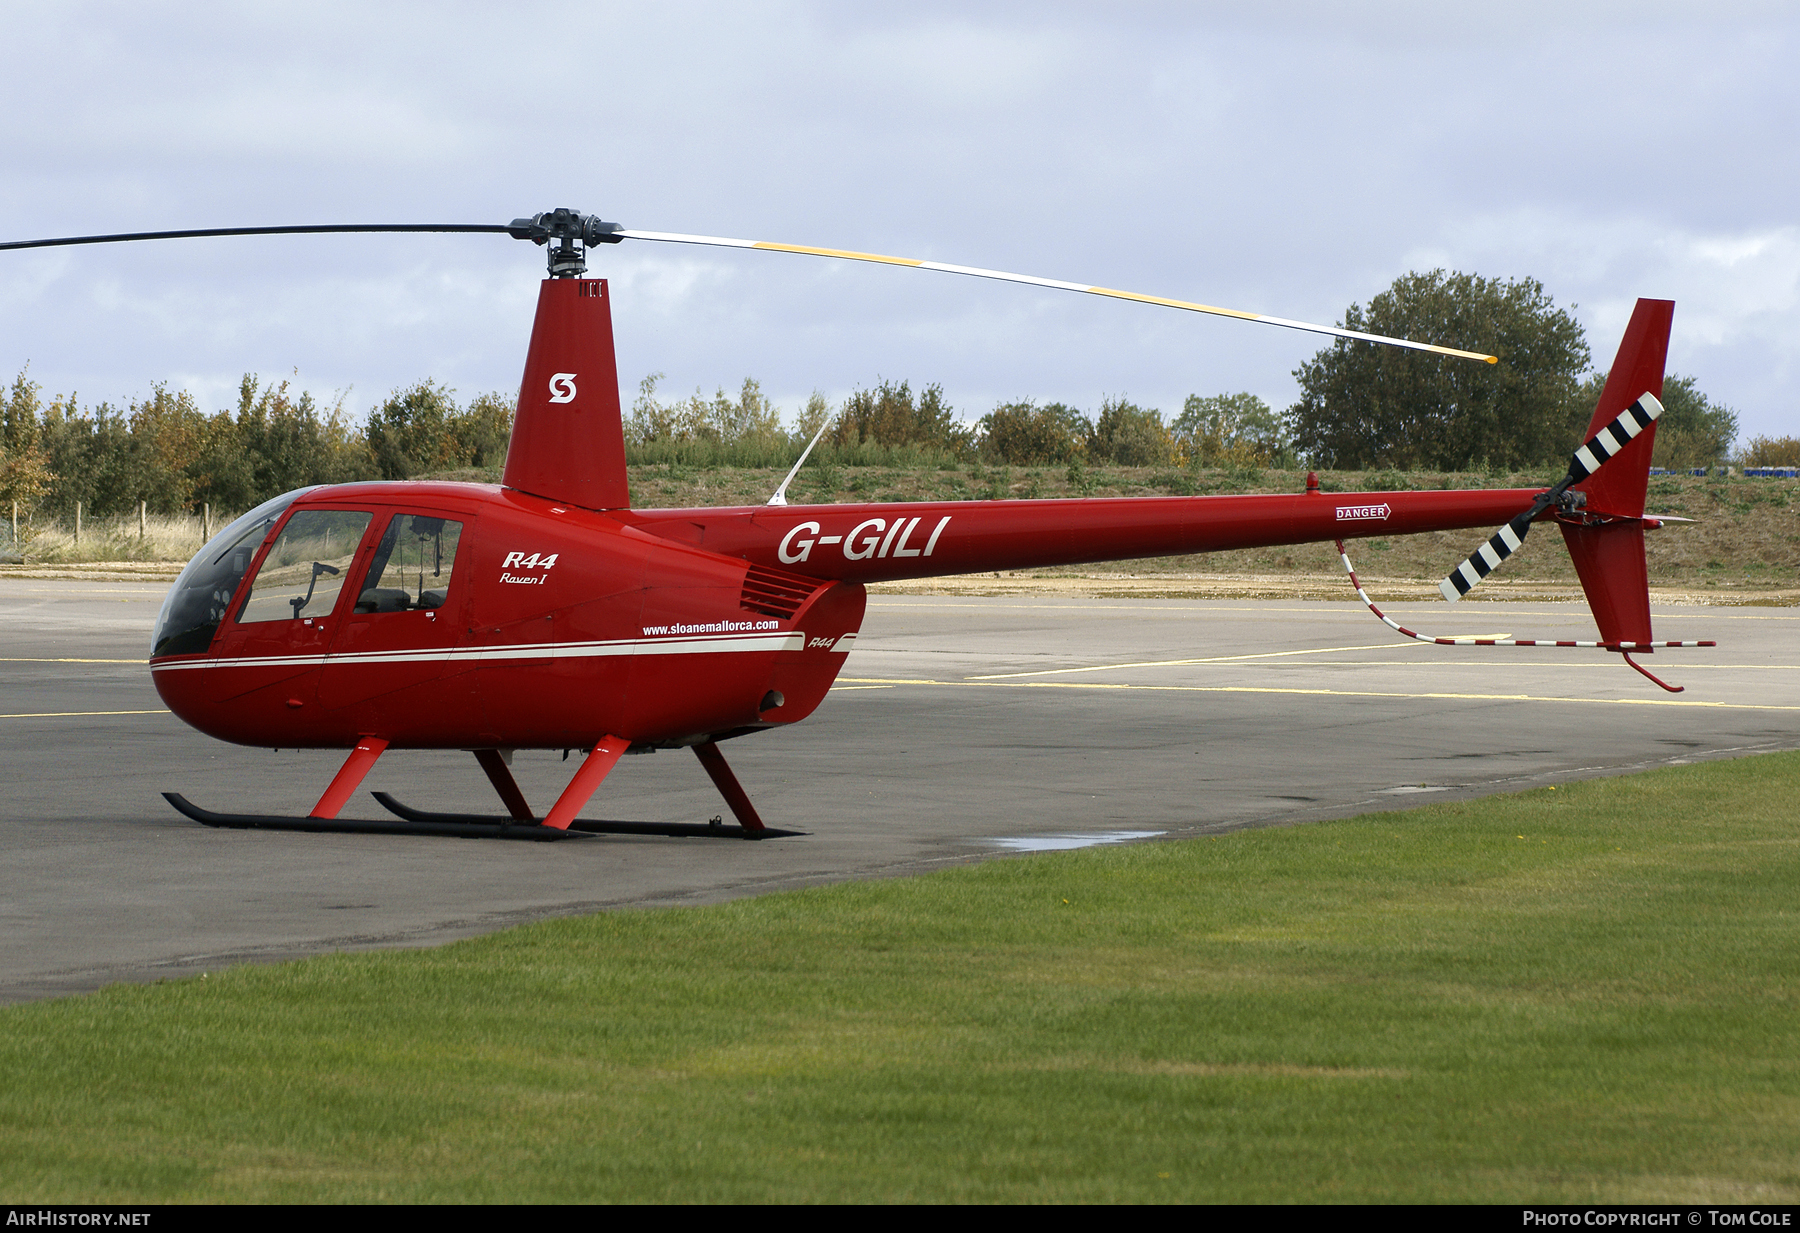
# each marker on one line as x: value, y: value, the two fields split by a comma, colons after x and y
x: 773, y: 593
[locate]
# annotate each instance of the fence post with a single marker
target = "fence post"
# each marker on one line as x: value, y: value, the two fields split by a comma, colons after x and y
x: 206, y: 522
x: 78, y: 522
x: 142, y: 506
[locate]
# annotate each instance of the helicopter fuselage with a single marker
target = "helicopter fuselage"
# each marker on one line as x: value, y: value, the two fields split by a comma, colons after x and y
x: 464, y: 616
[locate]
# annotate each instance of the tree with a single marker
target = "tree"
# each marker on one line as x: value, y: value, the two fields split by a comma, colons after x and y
x: 750, y: 418
x: 1230, y: 430
x: 91, y: 454
x: 171, y: 437
x: 1128, y: 435
x: 291, y: 443
x: 812, y: 417
x: 890, y: 415
x: 479, y: 434
x: 1772, y: 452
x: 410, y: 432
x: 1368, y: 405
x: 25, y: 473
x: 1025, y: 434
x: 1693, y: 431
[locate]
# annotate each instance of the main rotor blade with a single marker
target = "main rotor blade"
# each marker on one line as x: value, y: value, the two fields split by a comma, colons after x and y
x: 1594, y: 453
x: 534, y: 229
x: 313, y: 229
x: 670, y: 237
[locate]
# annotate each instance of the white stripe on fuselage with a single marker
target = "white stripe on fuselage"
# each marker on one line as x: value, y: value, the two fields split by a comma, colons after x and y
x: 794, y: 641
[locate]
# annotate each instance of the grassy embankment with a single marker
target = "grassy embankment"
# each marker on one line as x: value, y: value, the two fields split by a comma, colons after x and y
x: 1576, y: 994
x: 1747, y: 536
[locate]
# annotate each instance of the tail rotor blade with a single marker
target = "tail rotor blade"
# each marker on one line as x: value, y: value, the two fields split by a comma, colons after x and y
x: 1487, y: 558
x: 1594, y: 453
x: 1600, y: 447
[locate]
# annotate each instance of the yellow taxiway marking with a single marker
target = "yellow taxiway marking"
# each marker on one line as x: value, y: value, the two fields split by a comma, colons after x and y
x: 1490, y: 665
x: 1326, y: 693
x: 1177, y: 663
x: 1431, y: 662
x: 78, y: 714
x: 1342, y: 608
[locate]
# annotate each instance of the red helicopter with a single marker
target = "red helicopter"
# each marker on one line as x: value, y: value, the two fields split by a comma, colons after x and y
x: 545, y: 613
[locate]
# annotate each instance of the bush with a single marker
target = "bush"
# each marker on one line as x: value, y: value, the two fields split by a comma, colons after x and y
x: 1127, y: 435
x: 1024, y: 434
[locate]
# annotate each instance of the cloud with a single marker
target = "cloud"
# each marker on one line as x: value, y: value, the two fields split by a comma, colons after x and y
x: 1284, y: 158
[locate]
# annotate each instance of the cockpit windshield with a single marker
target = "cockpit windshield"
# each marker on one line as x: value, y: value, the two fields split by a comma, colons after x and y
x: 197, y: 602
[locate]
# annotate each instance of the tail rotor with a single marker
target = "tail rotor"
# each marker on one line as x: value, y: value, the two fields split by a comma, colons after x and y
x: 1594, y: 453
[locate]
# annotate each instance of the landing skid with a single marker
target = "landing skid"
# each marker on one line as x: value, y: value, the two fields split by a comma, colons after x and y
x: 444, y: 825
x: 673, y: 830
x: 561, y: 823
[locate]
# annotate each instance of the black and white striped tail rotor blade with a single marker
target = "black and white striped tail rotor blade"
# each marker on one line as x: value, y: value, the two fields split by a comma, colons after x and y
x: 1600, y: 447
x: 1594, y: 453
x: 1487, y: 558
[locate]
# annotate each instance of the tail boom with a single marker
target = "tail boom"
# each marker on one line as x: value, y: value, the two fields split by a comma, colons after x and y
x: 886, y: 542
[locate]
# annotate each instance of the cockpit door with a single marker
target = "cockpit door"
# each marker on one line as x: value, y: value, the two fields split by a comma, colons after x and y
x: 398, y: 660
x: 277, y: 637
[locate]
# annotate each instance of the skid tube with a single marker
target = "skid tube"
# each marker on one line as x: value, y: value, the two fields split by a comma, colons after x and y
x: 673, y: 830
x: 440, y: 825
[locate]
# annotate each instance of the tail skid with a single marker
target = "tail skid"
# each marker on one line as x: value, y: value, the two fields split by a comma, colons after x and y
x: 1624, y: 648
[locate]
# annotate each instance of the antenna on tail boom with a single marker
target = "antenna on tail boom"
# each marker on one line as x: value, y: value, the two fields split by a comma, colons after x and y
x: 780, y: 497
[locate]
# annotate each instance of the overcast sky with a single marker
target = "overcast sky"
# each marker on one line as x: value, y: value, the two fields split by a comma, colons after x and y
x: 1280, y: 158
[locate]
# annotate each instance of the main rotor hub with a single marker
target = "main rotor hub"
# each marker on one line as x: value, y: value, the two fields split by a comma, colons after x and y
x: 567, y: 233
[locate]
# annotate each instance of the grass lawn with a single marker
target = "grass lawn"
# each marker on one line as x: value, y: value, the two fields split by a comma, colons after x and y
x: 1586, y: 993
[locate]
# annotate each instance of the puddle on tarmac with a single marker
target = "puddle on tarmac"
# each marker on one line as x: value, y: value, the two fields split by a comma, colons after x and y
x: 1063, y: 842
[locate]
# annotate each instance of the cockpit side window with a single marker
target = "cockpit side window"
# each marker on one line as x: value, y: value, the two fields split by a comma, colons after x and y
x: 304, y: 570
x: 412, y: 565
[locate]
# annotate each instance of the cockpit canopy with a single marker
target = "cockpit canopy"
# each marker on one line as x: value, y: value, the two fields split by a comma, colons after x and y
x: 305, y: 571
x: 197, y: 603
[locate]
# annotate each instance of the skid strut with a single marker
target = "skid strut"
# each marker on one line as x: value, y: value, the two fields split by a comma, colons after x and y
x: 750, y: 826
x: 519, y: 823
x: 324, y: 815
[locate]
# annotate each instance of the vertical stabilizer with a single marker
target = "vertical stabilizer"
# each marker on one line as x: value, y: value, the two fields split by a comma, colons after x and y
x: 1619, y: 486
x: 568, y: 438
x: 1609, y: 555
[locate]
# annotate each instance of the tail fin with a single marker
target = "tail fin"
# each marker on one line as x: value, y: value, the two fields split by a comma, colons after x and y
x: 568, y: 437
x: 1608, y: 547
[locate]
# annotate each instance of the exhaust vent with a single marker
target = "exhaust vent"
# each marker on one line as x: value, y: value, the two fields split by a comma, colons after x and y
x: 773, y: 593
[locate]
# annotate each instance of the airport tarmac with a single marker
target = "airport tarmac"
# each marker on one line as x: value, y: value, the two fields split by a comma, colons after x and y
x: 962, y: 728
